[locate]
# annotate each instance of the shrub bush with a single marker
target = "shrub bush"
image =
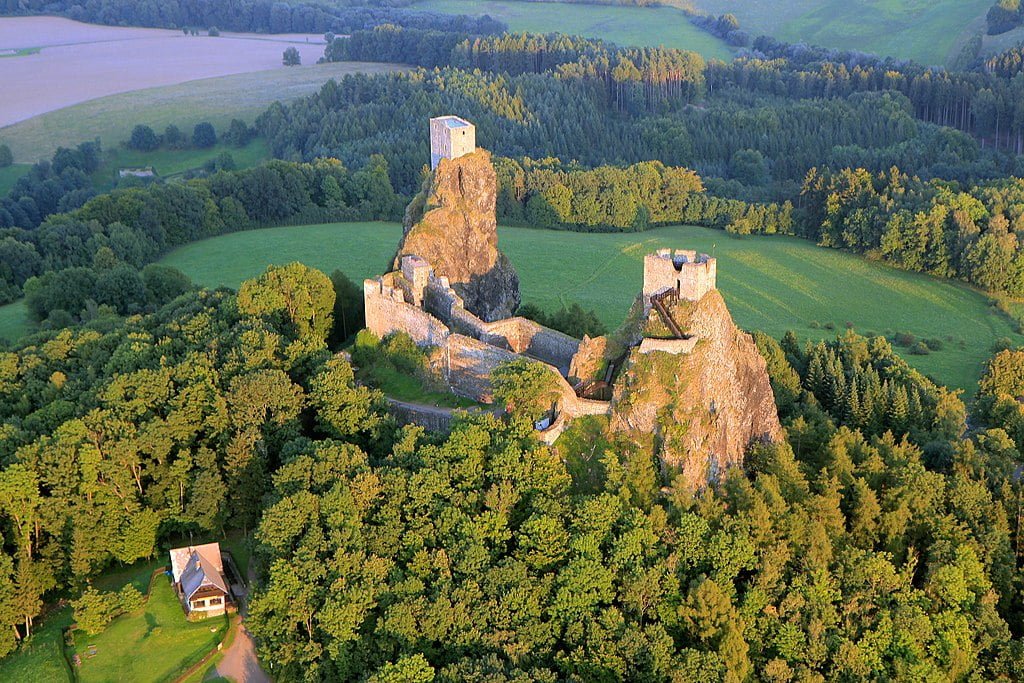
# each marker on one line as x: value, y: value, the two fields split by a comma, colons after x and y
x: 95, y: 609
x: 1001, y: 344
x: 130, y: 599
x: 904, y: 339
x: 143, y: 139
x: 203, y: 135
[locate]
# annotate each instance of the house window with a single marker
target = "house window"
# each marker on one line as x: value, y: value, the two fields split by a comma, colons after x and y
x: 214, y: 601
x: 199, y: 603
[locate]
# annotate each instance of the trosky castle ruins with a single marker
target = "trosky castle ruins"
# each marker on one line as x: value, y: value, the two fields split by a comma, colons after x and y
x: 453, y: 292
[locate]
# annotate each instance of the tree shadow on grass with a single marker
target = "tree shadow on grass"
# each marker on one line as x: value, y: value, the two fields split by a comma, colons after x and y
x: 152, y: 625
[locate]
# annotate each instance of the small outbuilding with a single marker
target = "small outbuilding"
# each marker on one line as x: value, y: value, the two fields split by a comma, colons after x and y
x: 198, y: 575
x: 145, y: 172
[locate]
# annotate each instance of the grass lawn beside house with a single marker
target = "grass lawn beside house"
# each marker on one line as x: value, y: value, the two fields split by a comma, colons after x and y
x: 154, y: 643
x: 41, y: 659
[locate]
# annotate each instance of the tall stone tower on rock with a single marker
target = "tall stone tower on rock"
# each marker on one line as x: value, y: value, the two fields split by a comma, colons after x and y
x: 452, y: 225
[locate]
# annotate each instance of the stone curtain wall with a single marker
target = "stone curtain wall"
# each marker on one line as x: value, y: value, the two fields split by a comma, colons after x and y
x: 387, y: 312
x: 467, y: 349
x: 673, y: 346
x: 532, y: 339
x: 467, y: 364
x: 434, y: 420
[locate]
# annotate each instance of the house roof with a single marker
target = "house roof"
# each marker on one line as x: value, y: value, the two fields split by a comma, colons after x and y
x: 180, y: 558
x: 199, y: 573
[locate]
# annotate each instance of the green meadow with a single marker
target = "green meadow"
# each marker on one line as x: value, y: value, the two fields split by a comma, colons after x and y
x: 154, y: 643
x: 14, y: 320
x: 10, y: 175
x: 217, y: 100
x: 928, y: 31
x: 770, y: 283
x: 169, y: 163
x: 41, y: 659
x: 644, y: 26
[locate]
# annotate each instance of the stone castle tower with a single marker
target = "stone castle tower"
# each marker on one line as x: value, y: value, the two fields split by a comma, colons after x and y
x: 689, y: 274
x: 450, y: 138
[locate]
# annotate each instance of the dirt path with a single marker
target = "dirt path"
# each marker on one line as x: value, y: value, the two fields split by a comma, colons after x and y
x: 239, y: 663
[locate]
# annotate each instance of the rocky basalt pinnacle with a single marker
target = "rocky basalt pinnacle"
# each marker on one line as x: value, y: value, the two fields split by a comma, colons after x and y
x: 452, y: 224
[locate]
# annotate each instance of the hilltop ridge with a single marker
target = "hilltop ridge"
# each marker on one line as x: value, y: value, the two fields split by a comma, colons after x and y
x: 701, y: 410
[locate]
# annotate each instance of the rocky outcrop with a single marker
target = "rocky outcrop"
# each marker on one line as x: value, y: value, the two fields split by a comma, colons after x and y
x: 701, y: 410
x: 453, y: 225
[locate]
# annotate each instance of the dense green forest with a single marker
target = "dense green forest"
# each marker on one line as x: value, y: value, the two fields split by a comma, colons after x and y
x: 1003, y: 16
x: 821, y: 129
x: 92, y: 256
x: 878, y: 539
x: 843, y: 148
x: 881, y: 538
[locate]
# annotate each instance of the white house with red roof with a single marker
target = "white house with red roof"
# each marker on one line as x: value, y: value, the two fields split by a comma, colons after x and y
x: 198, y: 575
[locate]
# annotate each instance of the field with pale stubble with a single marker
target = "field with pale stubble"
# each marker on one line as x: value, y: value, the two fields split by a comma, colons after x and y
x: 48, y: 63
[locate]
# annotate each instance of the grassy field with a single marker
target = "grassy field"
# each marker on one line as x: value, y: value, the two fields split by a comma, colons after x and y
x: 20, y: 52
x: 403, y: 387
x: 150, y: 644
x: 929, y: 31
x: 169, y: 162
x: 42, y: 659
x: 646, y: 26
x: 770, y: 283
x: 217, y: 100
x: 10, y: 175
x: 14, y: 321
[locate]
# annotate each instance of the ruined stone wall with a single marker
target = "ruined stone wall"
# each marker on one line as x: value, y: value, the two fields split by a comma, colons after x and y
x: 440, y: 300
x: 386, y: 312
x: 673, y: 346
x: 519, y: 335
x: 690, y: 274
x: 464, y: 322
x: 467, y: 364
x: 431, y: 420
x: 530, y: 338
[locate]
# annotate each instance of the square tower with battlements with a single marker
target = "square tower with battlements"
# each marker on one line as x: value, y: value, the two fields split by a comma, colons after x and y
x: 450, y: 138
x: 690, y: 274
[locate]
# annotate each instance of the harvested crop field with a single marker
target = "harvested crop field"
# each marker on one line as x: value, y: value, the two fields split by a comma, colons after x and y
x: 217, y: 100
x: 53, y: 63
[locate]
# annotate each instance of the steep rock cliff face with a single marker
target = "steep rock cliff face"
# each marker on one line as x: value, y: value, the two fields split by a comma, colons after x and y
x: 452, y: 224
x: 702, y: 410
